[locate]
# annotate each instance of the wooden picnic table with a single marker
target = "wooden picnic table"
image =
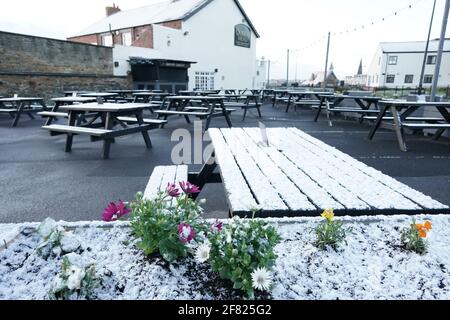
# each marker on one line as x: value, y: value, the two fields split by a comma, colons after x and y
x: 111, y: 120
x: 294, y: 174
x: 150, y: 96
x: 402, y: 115
x: 62, y: 101
x: 103, y: 95
x: 332, y: 104
x: 16, y: 106
x: 296, y: 97
x: 203, y: 107
x: 250, y: 101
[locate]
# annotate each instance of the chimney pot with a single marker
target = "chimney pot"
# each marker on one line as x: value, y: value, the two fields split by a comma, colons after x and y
x: 112, y: 10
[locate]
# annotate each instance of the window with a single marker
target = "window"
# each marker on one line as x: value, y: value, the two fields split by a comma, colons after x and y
x: 107, y: 40
x: 428, y: 78
x: 431, y: 60
x: 409, y: 78
x: 392, y: 60
x: 126, y: 39
x: 377, y: 79
x: 204, y: 80
x: 390, y: 78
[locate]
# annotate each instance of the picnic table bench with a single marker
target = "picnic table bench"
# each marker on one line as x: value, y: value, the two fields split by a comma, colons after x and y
x: 304, y: 98
x: 103, y: 126
x: 332, y: 104
x: 249, y: 101
x: 54, y: 113
x: 207, y: 108
x: 16, y: 106
x: 294, y: 174
x: 401, y: 113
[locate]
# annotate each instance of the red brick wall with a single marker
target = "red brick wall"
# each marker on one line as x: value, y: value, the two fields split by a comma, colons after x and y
x: 93, y: 38
x: 143, y: 37
x: 176, y: 24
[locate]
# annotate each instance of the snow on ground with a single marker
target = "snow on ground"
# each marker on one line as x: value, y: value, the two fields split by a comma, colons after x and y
x: 372, y: 265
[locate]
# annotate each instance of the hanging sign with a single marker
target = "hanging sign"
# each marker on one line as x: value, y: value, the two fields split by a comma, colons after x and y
x: 242, y: 36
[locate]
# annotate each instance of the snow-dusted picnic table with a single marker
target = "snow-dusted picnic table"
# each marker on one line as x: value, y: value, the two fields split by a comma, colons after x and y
x: 298, y: 175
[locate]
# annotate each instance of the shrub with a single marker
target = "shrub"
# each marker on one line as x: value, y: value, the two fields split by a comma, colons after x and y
x: 164, y: 228
x: 331, y: 232
x: 413, y: 237
x: 243, y: 252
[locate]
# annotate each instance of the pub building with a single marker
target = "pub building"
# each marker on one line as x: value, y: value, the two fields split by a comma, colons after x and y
x: 181, y: 44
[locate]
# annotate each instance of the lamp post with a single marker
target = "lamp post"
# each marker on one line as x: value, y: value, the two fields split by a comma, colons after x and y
x: 422, y: 74
x: 324, y: 85
x: 440, y: 50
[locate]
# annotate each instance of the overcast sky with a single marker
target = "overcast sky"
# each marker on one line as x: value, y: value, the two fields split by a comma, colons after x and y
x: 283, y: 24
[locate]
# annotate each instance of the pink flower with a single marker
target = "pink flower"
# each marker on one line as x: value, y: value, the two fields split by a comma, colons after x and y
x: 114, y: 212
x: 172, y: 190
x: 189, y: 188
x: 186, y: 233
x: 217, y: 226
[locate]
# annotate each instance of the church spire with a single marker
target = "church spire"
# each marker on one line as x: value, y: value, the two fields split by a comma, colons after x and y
x: 360, y: 69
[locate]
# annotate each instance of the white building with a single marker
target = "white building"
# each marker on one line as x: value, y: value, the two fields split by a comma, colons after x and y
x: 215, y: 34
x: 399, y: 64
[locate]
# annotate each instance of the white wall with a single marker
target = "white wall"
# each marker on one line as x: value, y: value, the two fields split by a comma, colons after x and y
x: 210, y: 42
x: 407, y: 63
x: 122, y: 54
x: 208, y: 39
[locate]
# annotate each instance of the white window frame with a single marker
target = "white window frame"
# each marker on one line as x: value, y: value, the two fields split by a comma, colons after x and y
x: 431, y: 59
x: 107, y: 40
x: 127, y: 36
x: 204, y: 80
x: 428, y: 76
x: 412, y: 78
x: 392, y: 60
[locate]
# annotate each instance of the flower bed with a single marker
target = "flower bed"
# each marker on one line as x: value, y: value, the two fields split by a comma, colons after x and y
x: 373, y: 264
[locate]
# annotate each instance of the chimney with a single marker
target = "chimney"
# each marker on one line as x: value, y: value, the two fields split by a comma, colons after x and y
x: 112, y: 10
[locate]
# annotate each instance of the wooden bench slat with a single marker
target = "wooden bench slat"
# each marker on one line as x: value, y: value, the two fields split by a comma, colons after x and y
x: 350, y: 110
x: 312, y: 166
x: 287, y: 190
x: 154, y: 184
x: 265, y: 193
x: 53, y: 114
x: 370, y: 190
x: 76, y: 130
x: 239, y: 195
x: 146, y: 121
x: 182, y: 113
x: 431, y: 119
x: 318, y: 195
x: 426, y: 125
x: 8, y: 110
x: 347, y: 161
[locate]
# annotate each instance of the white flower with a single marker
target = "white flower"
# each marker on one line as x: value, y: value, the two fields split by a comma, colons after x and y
x: 262, y: 279
x: 202, y: 253
x: 76, y: 275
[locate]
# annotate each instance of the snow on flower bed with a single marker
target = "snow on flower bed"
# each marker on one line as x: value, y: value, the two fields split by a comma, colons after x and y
x: 372, y: 265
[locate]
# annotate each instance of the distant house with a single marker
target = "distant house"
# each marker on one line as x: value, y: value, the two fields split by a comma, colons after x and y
x: 317, y: 79
x: 216, y: 35
x: 359, y: 79
x: 399, y: 64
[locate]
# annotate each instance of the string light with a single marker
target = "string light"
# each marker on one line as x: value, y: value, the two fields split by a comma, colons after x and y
x: 363, y: 27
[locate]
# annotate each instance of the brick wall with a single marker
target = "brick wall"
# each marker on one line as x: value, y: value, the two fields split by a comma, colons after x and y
x: 176, y: 24
x: 143, y: 37
x: 34, y: 66
x: 91, y: 39
x: 54, y: 86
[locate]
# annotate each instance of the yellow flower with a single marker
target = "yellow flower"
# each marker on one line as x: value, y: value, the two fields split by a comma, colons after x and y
x: 328, y: 214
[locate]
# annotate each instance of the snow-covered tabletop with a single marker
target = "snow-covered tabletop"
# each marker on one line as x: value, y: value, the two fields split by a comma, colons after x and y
x: 298, y: 175
x: 371, y: 266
